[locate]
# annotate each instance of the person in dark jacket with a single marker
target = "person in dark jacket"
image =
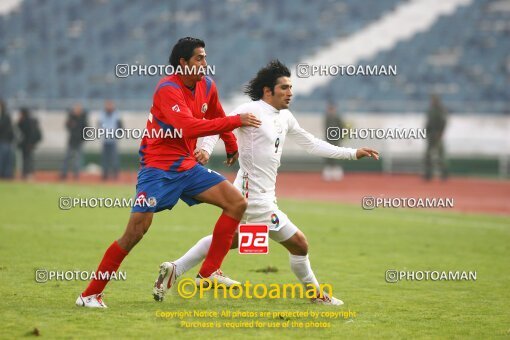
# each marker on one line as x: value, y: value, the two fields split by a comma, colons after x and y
x: 7, y: 158
x: 110, y: 120
x: 30, y: 135
x: 436, y: 125
x: 75, y: 123
x: 333, y: 170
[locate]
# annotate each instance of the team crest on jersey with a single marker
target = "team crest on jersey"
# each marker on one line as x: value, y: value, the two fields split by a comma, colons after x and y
x: 143, y: 201
x: 204, y: 107
x: 140, y: 198
x: 176, y: 108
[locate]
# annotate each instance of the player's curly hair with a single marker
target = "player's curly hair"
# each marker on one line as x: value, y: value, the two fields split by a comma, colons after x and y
x: 184, y: 49
x: 266, y: 76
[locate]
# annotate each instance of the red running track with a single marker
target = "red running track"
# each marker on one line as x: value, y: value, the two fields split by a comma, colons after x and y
x: 469, y: 194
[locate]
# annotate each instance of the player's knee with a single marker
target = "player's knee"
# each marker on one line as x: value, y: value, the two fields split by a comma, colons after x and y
x: 242, y: 205
x: 297, y: 244
x: 238, y: 206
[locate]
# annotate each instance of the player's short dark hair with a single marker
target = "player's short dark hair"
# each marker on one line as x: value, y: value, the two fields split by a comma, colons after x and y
x: 266, y: 76
x: 184, y: 49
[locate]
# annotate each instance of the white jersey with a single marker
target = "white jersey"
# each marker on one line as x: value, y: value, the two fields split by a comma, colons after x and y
x: 260, y: 149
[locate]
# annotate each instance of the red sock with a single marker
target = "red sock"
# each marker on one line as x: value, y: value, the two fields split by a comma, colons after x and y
x: 110, y: 263
x: 223, y: 234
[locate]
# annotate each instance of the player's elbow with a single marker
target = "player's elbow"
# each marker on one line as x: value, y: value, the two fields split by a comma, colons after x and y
x: 311, y: 150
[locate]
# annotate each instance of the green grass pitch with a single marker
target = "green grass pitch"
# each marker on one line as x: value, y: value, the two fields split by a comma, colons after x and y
x: 349, y: 248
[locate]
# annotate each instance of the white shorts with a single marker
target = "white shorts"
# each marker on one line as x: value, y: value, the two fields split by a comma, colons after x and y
x: 280, y: 226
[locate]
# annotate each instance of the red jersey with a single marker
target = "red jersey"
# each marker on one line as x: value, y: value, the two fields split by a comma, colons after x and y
x: 191, y: 113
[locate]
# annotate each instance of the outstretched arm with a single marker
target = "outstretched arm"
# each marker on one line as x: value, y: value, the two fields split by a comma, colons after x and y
x: 173, y: 111
x: 318, y: 147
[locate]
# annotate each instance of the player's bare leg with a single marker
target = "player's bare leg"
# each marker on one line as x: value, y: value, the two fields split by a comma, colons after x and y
x: 137, y: 226
x: 227, y: 197
x: 297, y: 245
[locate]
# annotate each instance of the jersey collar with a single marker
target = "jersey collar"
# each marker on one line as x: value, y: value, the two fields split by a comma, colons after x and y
x: 181, y: 83
x: 268, y: 106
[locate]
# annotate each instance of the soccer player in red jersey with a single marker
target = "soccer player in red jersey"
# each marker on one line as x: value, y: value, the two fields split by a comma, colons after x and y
x: 187, y: 105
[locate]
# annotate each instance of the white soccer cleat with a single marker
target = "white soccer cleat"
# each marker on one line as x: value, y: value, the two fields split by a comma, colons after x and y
x: 91, y: 301
x: 327, y: 300
x: 219, y: 278
x: 165, y: 280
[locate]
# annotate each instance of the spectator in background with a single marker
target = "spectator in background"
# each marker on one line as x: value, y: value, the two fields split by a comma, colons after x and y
x: 30, y: 135
x: 436, y: 124
x: 75, y: 123
x: 332, y: 170
x: 6, y: 143
x: 110, y: 121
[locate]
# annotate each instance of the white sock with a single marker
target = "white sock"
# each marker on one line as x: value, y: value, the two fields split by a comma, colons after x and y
x: 301, y: 267
x: 194, y: 256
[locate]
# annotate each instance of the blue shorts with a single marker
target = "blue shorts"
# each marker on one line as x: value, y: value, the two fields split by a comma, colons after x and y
x: 158, y: 189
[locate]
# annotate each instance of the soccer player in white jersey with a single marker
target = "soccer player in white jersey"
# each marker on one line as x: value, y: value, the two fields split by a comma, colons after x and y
x: 260, y: 152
